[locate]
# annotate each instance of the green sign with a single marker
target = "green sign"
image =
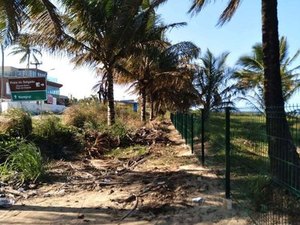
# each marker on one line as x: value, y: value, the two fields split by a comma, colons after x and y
x: 28, y: 95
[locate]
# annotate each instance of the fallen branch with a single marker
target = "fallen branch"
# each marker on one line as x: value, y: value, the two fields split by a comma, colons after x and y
x: 132, y: 210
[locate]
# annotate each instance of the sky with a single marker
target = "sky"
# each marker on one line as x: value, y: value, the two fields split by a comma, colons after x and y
x: 236, y: 37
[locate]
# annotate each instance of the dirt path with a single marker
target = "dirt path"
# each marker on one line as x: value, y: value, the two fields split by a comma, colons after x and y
x: 155, y: 188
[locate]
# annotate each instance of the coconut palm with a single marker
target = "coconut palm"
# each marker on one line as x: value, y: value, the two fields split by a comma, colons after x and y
x: 211, y: 81
x: 27, y: 51
x: 251, y: 75
x: 155, y: 66
x: 16, y: 14
x: 281, y: 147
x: 101, y: 34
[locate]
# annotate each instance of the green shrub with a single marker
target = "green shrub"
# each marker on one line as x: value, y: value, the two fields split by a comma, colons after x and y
x: 259, y: 192
x: 54, y: 138
x: 93, y: 115
x: 7, y: 146
x: 24, y: 163
x: 85, y: 115
x: 16, y: 123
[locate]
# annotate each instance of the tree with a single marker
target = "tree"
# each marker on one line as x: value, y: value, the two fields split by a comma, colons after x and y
x: 102, y: 33
x: 155, y: 68
x: 16, y: 14
x: 26, y: 50
x: 281, y: 147
x: 211, y: 81
x: 251, y: 75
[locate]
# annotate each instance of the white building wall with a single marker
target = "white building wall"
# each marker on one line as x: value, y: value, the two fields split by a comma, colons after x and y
x: 32, y: 107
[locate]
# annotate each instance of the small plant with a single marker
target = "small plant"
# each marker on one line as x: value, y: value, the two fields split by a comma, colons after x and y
x: 260, y: 192
x: 16, y: 123
x: 24, y: 163
x: 129, y: 152
x: 54, y: 138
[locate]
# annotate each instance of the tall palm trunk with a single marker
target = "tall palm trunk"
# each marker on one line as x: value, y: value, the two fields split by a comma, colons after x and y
x: 2, y: 73
x: 151, y: 108
x: 110, y: 98
x: 281, y: 150
x: 143, y: 104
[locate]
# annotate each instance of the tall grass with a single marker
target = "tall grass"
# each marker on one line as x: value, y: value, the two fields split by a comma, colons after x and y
x: 85, y: 115
x: 93, y: 115
x: 16, y: 123
x: 54, y: 138
x: 23, y: 163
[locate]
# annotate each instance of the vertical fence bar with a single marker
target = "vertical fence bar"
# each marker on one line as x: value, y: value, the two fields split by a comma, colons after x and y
x: 227, y: 140
x: 202, y: 137
x: 192, y: 133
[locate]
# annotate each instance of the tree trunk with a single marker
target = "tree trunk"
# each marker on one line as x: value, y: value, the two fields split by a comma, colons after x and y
x: 143, y: 104
x: 110, y: 98
x: 2, y: 73
x: 151, y: 108
x: 282, y: 151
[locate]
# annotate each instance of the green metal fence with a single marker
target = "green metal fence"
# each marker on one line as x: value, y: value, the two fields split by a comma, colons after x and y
x: 189, y: 126
x: 261, y: 168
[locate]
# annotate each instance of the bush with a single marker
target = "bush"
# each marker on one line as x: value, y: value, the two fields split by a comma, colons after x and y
x: 85, y: 115
x: 24, y: 163
x: 93, y: 116
x: 16, y: 123
x: 260, y: 192
x: 54, y: 138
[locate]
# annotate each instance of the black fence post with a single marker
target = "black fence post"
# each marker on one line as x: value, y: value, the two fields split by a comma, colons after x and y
x: 192, y: 133
x: 227, y: 140
x: 186, y: 128
x: 202, y: 136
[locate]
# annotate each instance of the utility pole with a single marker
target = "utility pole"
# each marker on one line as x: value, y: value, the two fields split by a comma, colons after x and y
x: 36, y: 67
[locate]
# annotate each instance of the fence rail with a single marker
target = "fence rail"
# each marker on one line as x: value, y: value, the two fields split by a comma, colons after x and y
x: 262, y: 158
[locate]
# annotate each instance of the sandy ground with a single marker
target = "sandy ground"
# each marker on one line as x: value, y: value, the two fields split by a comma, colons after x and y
x: 157, y: 188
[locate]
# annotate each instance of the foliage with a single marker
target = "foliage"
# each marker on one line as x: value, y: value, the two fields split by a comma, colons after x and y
x: 259, y: 191
x: 85, y: 114
x: 54, y: 138
x: 16, y: 123
x: 128, y: 152
x: 154, y: 61
x: 212, y: 81
x: 108, y: 29
x: 26, y: 50
x: 24, y: 161
x: 250, y: 75
x: 17, y: 14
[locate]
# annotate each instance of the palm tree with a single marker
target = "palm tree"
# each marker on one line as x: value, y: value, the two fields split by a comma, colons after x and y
x: 173, y: 90
x: 155, y: 66
x: 16, y: 14
x: 211, y: 79
x: 26, y: 50
x: 101, y: 34
x: 251, y: 75
x: 281, y: 147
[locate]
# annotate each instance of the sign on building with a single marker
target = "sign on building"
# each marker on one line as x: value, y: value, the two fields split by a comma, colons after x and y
x: 28, y: 88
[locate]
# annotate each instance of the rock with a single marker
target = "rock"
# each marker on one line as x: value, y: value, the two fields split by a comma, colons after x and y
x: 61, y: 192
x: 80, y: 216
x: 198, y: 200
x: 6, y: 202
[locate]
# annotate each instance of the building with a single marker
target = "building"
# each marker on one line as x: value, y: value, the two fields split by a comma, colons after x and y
x: 53, y: 87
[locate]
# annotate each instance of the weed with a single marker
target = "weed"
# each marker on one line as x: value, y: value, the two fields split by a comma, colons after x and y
x: 54, y: 138
x: 85, y: 115
x: 128, y: 152
x: 24, y: 163
x: 16, y: 123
